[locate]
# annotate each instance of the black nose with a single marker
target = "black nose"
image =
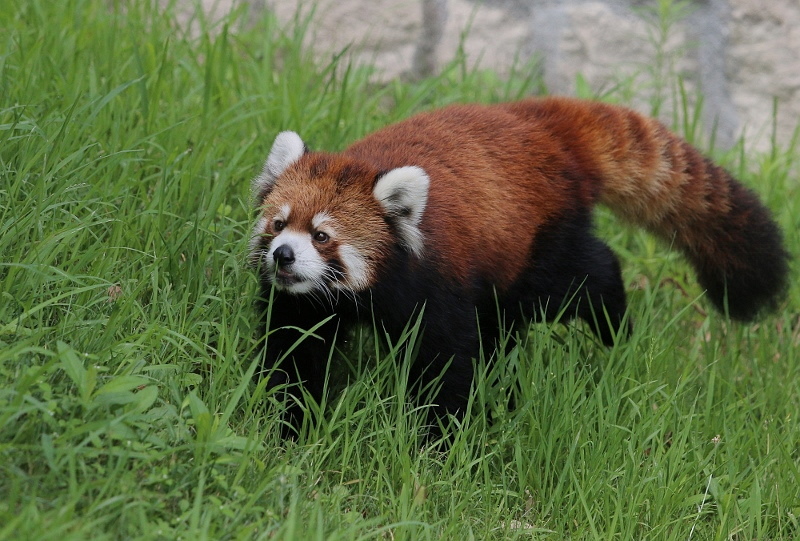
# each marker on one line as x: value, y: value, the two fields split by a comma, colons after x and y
x: 283, y: 255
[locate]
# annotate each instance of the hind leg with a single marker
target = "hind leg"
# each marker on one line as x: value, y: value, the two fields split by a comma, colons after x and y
x: 573, y: 274
x: 600, y: 301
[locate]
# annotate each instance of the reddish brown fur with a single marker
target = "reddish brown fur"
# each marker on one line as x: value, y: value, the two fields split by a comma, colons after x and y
x: 356, y: 214
x: 644, y: 172
x: 500, y: 172
x: 507, y: 231
x: 472, y: 220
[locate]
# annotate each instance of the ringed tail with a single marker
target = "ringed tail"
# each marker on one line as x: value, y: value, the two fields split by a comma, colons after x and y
x: 654, y: 179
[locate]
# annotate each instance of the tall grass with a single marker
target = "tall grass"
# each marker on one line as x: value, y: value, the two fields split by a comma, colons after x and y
x: 127, y: 334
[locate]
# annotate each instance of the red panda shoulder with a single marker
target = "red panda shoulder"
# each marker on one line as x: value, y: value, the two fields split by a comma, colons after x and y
x: 488, y: 193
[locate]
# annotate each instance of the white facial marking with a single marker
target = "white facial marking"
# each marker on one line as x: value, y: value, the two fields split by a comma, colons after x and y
x: 356, y: 268
x: 285, y: 210
x: 287, y: 149
x: 308, y: 267
x: 319, y: 219
x: 403, y: 194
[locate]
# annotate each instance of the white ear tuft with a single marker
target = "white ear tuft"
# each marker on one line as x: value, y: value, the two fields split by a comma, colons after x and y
x: 403, y: 194
x: 287, y: 149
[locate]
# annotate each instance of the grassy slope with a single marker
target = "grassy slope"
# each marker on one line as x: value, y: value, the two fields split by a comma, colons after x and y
x: 126, y: 334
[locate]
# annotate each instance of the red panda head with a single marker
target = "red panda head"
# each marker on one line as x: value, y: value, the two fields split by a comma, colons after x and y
x: 328, y: 221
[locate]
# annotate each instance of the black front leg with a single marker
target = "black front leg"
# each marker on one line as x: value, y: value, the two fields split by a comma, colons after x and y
x: 449, y: 346
x: 294, y: 359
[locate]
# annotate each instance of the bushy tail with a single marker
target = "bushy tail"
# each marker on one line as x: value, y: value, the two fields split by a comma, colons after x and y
x: 656, y: 180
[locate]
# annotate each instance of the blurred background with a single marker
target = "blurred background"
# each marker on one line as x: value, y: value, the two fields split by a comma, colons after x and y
x: 743, y: 56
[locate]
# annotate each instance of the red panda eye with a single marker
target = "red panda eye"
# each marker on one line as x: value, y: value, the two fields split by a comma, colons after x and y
x: 319, y: 236
x: 279, y: 225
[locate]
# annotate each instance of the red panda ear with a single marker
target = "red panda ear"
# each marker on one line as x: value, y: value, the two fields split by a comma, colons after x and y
x: 287, y: 149
x: 403, y: 194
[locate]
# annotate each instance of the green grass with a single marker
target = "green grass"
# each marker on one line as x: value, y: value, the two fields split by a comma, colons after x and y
x: 127, y: 332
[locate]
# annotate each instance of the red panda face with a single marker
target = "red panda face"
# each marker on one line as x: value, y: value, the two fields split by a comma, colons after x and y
x: 326, y: 220
x: 304, y: 242
x: 302, y: 256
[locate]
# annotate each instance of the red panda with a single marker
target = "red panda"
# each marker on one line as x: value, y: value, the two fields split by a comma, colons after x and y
x: 473, y: 207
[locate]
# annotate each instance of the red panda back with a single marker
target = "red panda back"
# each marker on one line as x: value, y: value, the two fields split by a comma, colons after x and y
x: 495, y: 181
x: 498, y: 173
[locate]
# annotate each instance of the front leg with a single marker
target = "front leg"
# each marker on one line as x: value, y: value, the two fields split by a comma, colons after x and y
x: 449, y: 346
x: 293, y: 359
